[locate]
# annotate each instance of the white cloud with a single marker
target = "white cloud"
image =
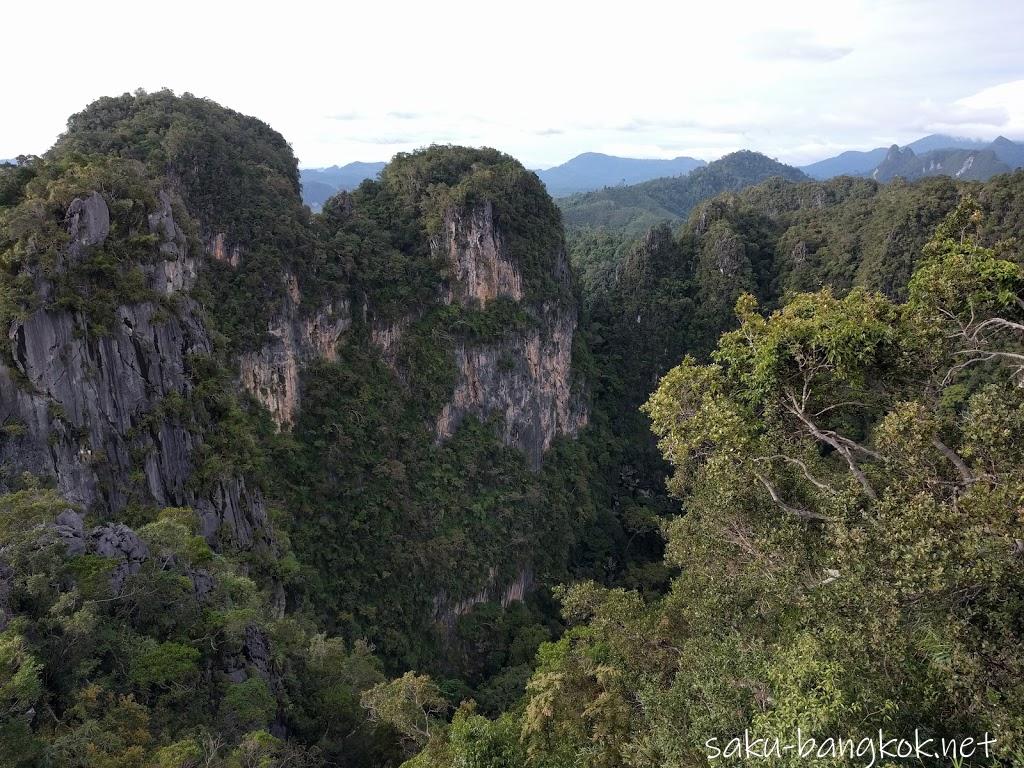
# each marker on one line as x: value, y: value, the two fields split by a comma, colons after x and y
x: 999, y: 109
x: 543, y: 81
x: 796, y: 45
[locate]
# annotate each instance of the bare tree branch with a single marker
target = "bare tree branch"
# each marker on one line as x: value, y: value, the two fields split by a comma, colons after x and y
x: 843, y: 445
x: 819, y: 484
x: 960, y: 464
x: 803, y: 514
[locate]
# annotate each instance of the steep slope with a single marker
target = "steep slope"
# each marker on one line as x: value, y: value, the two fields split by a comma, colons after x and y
x: 112, y: 357
x: 935, y: 155
x: 969, y: 165
x: 826, y: 443
x: 361, y: 421
x: 1010, y: 153
x: 460, y: 354
x: 593, y: 170
x: 635, y: 208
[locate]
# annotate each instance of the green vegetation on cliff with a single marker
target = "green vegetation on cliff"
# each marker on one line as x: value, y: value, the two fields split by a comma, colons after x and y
x: 849, y: 554
x: 833, y: 434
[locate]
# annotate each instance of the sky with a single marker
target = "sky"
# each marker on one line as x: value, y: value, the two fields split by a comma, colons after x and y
x: 543, y: 81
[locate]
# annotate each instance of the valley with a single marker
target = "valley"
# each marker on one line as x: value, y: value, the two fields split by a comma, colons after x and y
x: 415, y: 464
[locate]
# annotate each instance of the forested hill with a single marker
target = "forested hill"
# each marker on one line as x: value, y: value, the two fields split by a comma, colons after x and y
x: 851, y: 454
x: 633, y: 209
x: 593, y: 170
x: 965, y: 159
x: 279, y: 488
x: 842, y: 232
x: 252, y: 458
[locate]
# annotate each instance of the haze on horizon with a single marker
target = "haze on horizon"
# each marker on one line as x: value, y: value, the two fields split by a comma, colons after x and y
x: 799, y: 80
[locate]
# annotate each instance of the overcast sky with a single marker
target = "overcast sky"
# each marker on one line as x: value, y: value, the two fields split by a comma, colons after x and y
x: 543, y: 81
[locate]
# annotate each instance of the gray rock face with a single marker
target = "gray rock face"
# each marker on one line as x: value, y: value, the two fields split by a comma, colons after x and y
x: 448, y: 611
x: 481, y: 268
x: 88, y: 220
x: 177, y: 271
x: 70, y: 527
x: 114, y: 541
x: 203, y: 583
x: 255, y: 658
x: 257, y: 651
x: 89, y: 410
x: 524, y: 379
x: 119, y: 542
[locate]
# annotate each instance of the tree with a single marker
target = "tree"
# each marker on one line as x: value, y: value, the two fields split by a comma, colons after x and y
x: 411, y: 704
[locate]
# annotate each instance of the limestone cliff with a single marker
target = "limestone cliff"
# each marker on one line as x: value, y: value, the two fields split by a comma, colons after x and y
x: 272, y: 373
x: 481, y: 268
x: 448, y: 611
x: 524, y: 379
x: 86, y: 410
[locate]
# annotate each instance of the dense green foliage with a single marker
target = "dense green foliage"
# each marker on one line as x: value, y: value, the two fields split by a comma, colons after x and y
x: 94, y: 674
x: 827, y: 536
x: 36, y: 196
x: 849, y: 558
x: 381, y: 514
x: 388, y: 224
x: 236, y: 176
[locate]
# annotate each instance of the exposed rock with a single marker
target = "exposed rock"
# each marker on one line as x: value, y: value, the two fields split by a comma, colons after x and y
x: 526, y: 381
x: 480, y: 267
x: 234, y: 511
x: 177, y: 270
x: 203, y: 583
x: 271, y: 374
x: 257, y: 651
x: 114, y: 541
x: 727, y: 252
x: 447, y: 612
x: 87, y: 221
x: 119, y: 542
x: 70, y: 526
x: 86, y: 404
x: 221, y: 252
x: 387, y: 336
x: 799, y: 253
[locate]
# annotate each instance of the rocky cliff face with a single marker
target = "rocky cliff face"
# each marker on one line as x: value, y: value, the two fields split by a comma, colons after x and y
x: 86, y: 410
x: 271, y: 374
x: 481, y: 268
x: 448, y: 611
x: 524, y: 379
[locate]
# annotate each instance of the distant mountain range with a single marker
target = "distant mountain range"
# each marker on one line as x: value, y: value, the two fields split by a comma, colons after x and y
x: 321, y: 184
x: 586, y: 172
x: 633, y: 209
x: 935, y: 155
x: 965, y: 164
x: 592, y: 170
